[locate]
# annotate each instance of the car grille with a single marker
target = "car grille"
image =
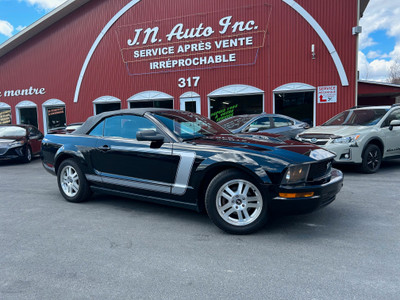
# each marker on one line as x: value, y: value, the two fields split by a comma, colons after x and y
x: 320, y: 171
x: 316, y: 138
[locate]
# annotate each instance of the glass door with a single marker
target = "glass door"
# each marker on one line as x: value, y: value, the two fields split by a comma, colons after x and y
x: 191, y: 104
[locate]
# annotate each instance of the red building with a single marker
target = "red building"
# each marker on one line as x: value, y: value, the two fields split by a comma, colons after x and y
x: 218, y: 58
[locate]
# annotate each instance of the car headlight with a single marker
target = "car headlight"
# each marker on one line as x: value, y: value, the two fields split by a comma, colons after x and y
x: 296, y: 174
x: 16, y: 144
x: 346, y: 139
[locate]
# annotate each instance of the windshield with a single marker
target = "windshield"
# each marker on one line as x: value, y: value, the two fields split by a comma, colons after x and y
x: 235, y: 122
x: 187, y: 125
x: 359, y: 117
x: 12, y: 131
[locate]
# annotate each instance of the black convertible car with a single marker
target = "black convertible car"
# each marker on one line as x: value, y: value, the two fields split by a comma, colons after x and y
x: 184, y: 159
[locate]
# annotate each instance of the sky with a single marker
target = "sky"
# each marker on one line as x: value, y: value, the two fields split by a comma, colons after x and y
x: 379, y: 40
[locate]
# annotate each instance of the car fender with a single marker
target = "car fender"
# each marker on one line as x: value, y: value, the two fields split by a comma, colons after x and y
x: 69, y: 151
x: 234, y: 160
x: 368, y: 141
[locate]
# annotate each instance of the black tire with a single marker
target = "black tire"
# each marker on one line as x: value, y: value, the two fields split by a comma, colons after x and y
x: 28, y: 155
x: 243, y: 210
x: 72, y: 182
x: 371, y: 159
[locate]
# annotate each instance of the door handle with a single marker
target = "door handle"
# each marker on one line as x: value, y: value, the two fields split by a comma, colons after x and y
x: 104, y: 148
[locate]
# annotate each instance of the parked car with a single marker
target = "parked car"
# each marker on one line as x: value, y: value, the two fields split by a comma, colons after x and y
x: 184, y: 159
x: 363, y: 136
x: 67, y: 129
x: 19, y: 142
x: 270, y: 123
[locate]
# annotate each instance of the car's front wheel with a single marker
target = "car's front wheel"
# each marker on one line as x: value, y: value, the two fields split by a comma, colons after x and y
x: 372, y: 159
x: 72, y: 182
x: 235, y: 203
x: 28, y: 155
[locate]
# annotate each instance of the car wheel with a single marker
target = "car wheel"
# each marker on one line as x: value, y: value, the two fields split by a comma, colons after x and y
x: 28, y: 155
x: 235, y: 203
x: 372, y: 159
x: 71, y: 182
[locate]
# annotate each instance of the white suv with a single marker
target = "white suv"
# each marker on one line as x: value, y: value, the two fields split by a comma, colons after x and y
x: 363, y: 136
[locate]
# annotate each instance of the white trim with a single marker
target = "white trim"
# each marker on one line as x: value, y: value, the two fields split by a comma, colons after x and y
x: 235, y: 89
x: 45, y: 106
x: 189, y: 95
x: 150, y: 95
x: 294, y: 87
x: 4, y: 106
x: 380, y: 83
x: 324, y: 37
x: 106, y: 99
x: 97, y: 42
x: 24, y: 104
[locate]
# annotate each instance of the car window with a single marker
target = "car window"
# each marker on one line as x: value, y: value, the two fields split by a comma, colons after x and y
x: 282, y: 122
x: 235, y: 122
x: 394, y: 115
x: 98, y: 130
x: 126, y: 126
x: 261, y: 124
x: 358, y: 117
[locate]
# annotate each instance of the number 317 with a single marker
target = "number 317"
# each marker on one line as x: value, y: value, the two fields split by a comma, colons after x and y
x: 188, y: 82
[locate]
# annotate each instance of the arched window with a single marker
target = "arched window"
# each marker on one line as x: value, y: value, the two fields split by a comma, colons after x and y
x: 27, y: 113
x: 296, y: 100
x: 106, y: 103
x: 232, y: 100
x: 190, y: 101
x: 151, y: 99
x: 54, y: 116
x: 5, y: 113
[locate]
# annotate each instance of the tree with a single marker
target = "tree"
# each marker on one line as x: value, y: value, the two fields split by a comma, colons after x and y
x: 394, y: 72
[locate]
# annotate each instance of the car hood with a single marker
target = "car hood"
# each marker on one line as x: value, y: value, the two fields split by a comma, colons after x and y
x: 284, y: 149
x: 335, y: 130
x: 10, y: 139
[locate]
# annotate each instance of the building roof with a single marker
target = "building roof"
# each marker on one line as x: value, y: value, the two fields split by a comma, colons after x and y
x: 59, y: 13
x: 43, y: 23
x: 373, y: 88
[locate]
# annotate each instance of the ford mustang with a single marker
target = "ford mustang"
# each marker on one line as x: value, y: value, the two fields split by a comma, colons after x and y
x: 184, y: 159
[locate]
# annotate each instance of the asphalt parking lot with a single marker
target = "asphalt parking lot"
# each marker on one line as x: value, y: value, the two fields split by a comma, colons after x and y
x: 116, y: 248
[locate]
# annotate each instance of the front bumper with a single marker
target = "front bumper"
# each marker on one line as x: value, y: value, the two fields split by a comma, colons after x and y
x: 12, y: 153
x: 345, y: 153
x: 323, y: 195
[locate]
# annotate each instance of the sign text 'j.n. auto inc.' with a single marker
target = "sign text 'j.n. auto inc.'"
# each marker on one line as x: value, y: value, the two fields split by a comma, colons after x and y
x: 201, y: 41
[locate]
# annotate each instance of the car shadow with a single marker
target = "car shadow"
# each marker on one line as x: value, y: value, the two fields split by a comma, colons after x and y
x: 314, y: 225
x: 386, y: 166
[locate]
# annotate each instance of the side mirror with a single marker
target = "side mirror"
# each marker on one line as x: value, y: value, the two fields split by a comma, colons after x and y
x: 306, y: 126
x: 394, y: 123
x: 150, y: 136
x: 253, y: 129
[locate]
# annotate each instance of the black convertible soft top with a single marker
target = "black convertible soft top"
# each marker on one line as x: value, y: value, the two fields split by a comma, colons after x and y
x: 93, y: 120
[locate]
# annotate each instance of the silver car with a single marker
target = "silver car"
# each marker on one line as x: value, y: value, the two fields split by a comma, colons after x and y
x: 363, y: 136
x: 270, y: 123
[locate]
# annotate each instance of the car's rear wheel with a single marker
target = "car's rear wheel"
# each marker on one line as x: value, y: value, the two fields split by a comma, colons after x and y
x: 236, y: 203
x: 72, y: 182
x: 28, y: 155
x: 372, y: 159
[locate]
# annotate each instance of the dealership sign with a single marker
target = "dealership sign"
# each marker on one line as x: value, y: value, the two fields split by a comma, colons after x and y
x: 201, y: 41
x: 327, y: 94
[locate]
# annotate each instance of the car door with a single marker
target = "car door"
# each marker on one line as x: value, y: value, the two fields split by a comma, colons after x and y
x: 283, y: 126
x: 391, y: 137
x: 35, y: 139
x: 121, y: 160
x: 262, y: 124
